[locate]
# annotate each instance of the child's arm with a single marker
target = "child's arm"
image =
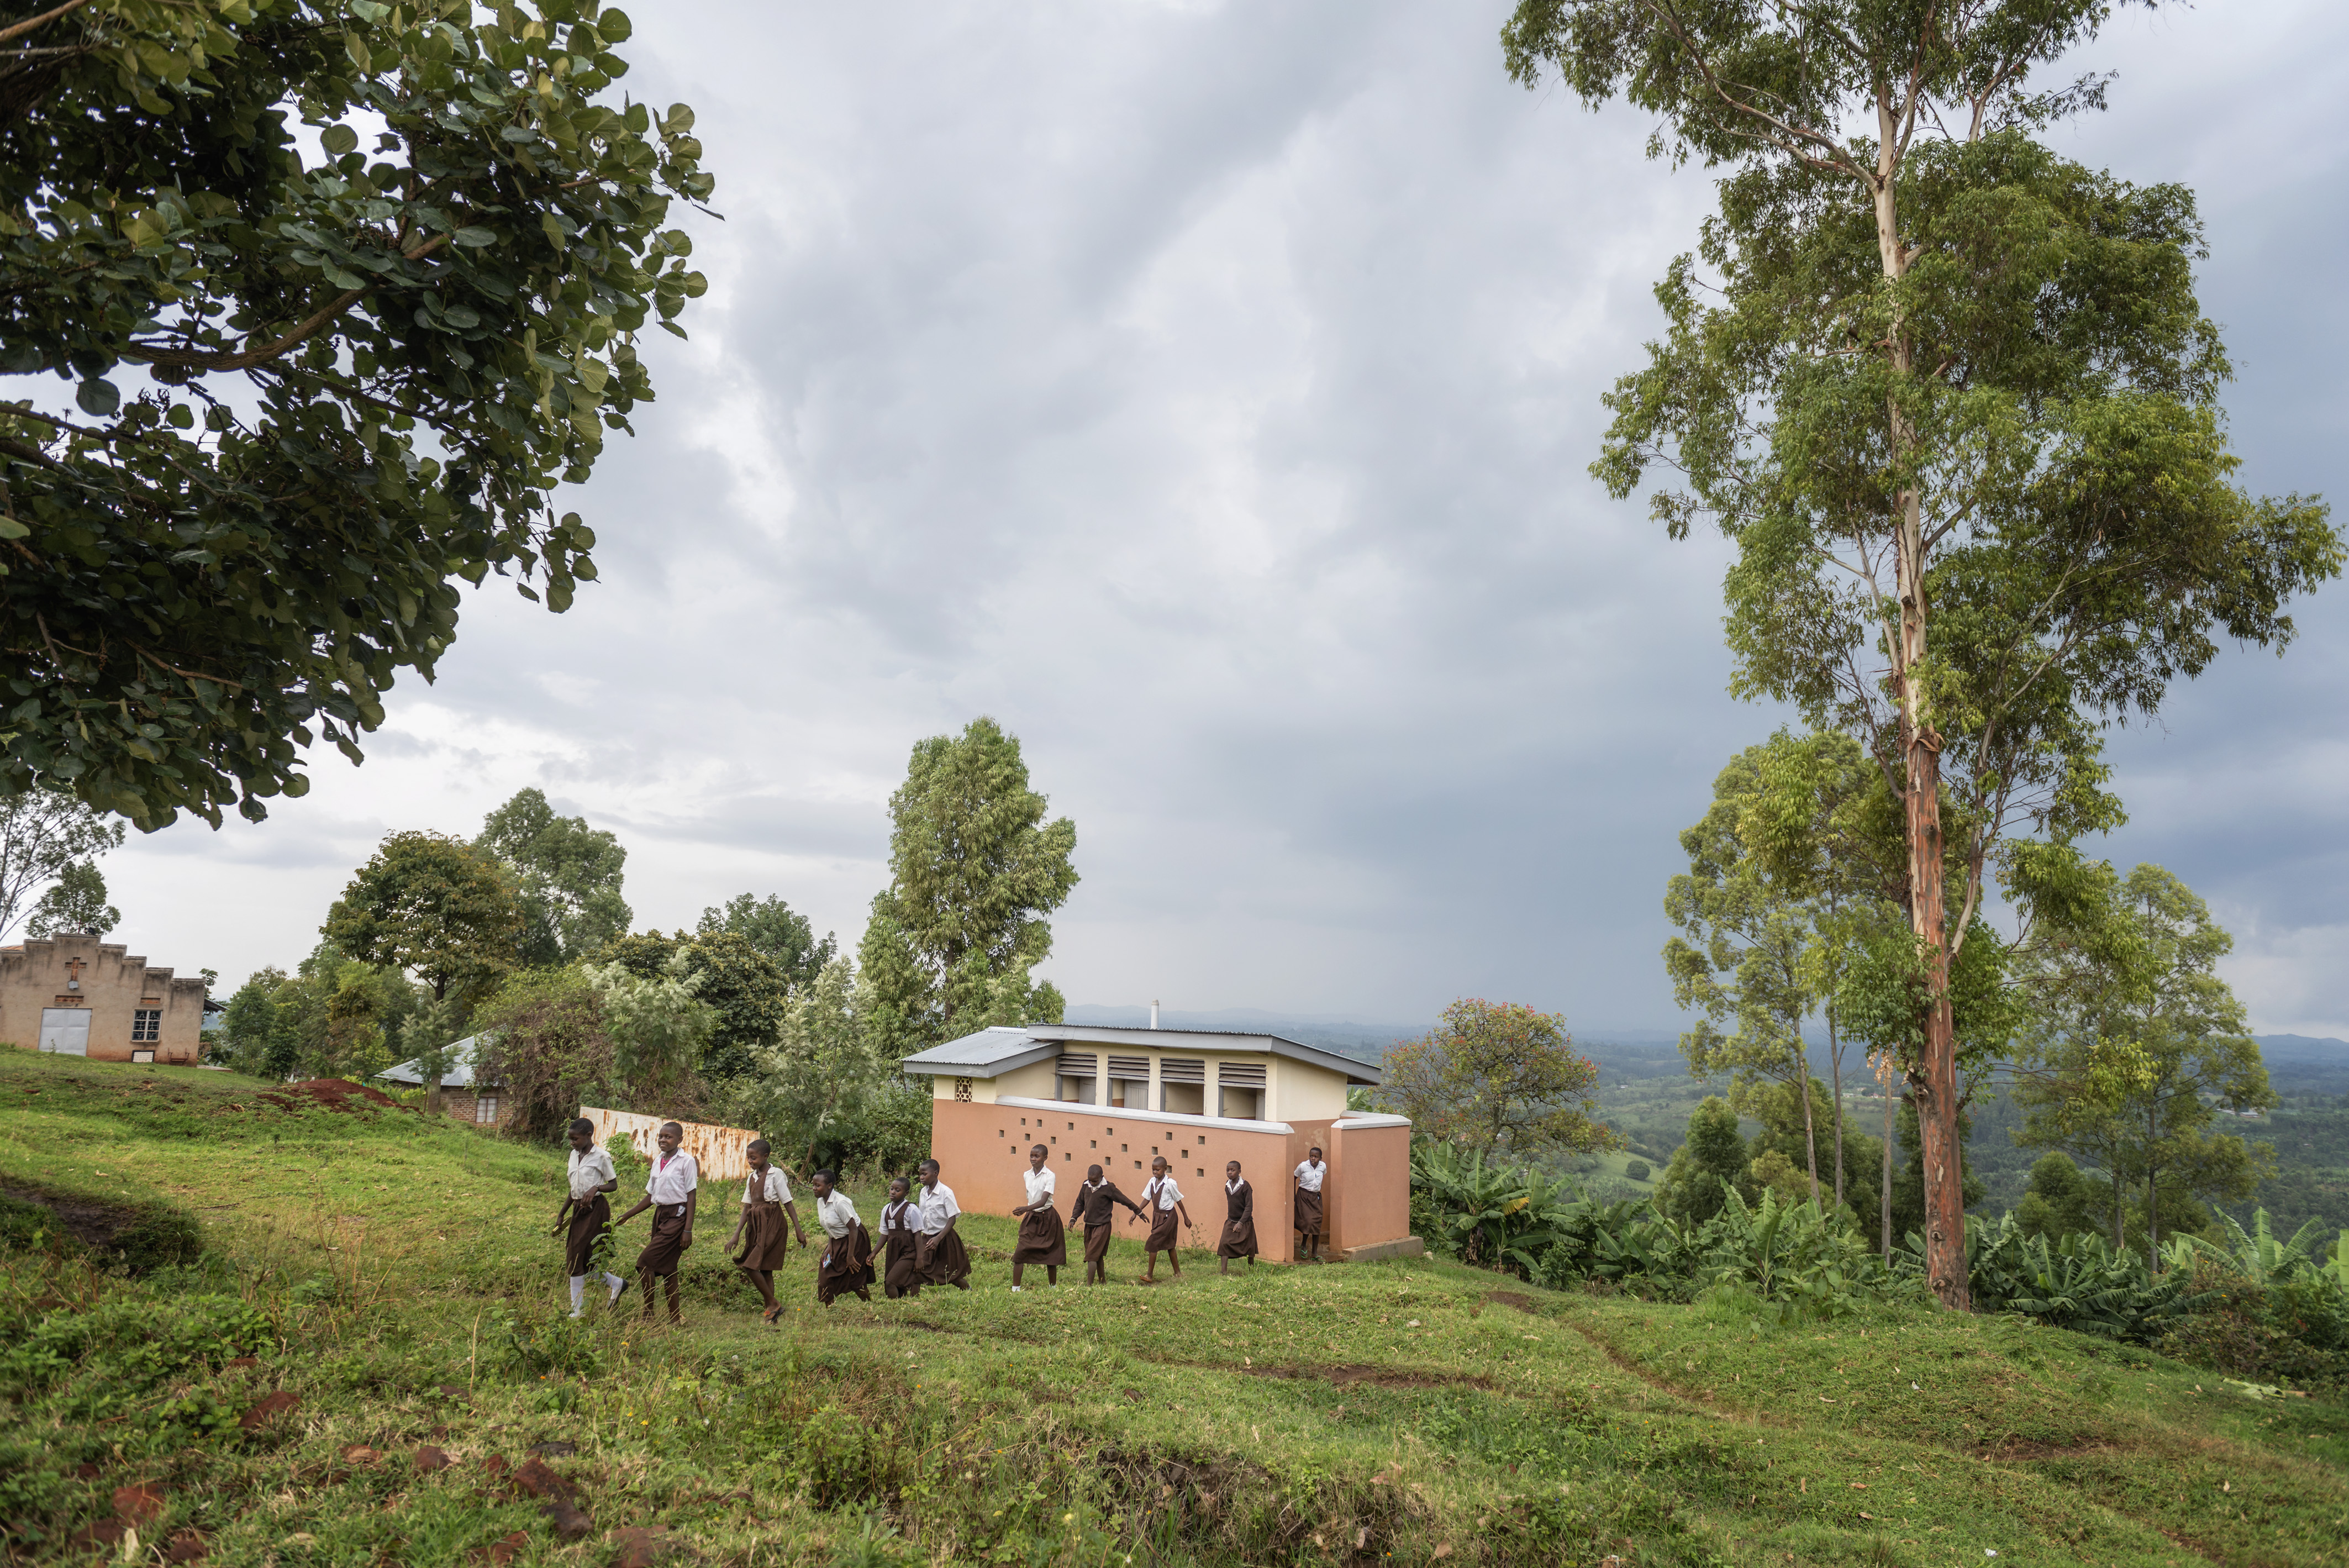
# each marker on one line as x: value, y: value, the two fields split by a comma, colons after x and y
x: 692, y: 1206
x: 739, y: 1224
x: 1185, y: 1214
x: 561, y: 1215
x: 642, y: 1204
x: 791, y: 1210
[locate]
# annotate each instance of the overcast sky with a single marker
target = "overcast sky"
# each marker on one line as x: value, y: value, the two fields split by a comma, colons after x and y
x: 1205, y: 392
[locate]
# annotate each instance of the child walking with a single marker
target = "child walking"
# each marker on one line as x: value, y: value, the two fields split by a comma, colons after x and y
x: 590, y: 1212
x: 762, y: 1231
x: 1092, y: 1206
x: 1164, y: 1201
x: 673, y: 1192
x: 900, y: 1233
x: 940, y: 1254
x: 847, y: 1261
x: 1239, y: 1220
x: 1308, y: 1177
x: 1041, y: 1237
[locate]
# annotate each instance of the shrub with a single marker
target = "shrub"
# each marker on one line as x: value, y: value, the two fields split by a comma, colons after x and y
x: 547, y: 1045
x: 1636, y: 1169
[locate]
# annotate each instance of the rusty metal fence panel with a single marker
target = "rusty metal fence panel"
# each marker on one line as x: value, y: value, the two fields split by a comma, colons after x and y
x: 719, y: 1152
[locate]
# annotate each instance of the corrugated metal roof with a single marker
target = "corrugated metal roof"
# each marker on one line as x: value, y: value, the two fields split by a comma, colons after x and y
x: 460, y: 1067
x: 994, y: 1049
x: 1002, y: 1048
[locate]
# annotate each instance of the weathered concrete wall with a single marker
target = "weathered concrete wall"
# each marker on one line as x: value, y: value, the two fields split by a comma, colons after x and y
x: 110, y: 984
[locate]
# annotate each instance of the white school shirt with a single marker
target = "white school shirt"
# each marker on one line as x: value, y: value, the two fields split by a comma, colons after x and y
x: 590, y: 1171
x: 837, y: 1214
x: 1162, y: 1188
x: 673, y: 1180
x: 1039, y: 1185
x: 890, y: 1213
x: 778, y: 1190
x: 1309, y: 1175
x: 938, y: 1206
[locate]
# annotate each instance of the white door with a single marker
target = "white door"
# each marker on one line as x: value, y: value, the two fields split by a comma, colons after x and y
x: 66, y: 1031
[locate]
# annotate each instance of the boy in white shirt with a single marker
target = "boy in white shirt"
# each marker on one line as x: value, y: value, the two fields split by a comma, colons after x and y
x: 673, y: 1192
x: 589, y: 1211
x: 943, y: 1258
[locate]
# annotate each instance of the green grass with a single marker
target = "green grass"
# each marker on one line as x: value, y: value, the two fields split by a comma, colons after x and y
x: 397, y: 1277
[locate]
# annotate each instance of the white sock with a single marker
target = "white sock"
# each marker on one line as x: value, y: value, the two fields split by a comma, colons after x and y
x: 613, y: 1283
x: 578, y: 1292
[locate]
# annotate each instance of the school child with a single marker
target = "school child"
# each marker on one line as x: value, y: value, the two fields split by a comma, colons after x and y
x: 1041, y: 1237
x: 766, y: 1242
x: 1240, y: 1220
x: 590, y: 1213
x: 847, y: 1261
x: 673, y: 1192
x: 900, y: 1221
x: 1091, y: 1207
x: 1164, y: 1201
x: 1309, y: 1178
x: 939, y: 1252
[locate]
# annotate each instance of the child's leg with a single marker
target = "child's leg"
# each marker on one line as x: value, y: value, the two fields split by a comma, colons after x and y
x: 765, y: 1280
x: 1016, y: 1267
x: 616, y: 1284
x: 676, y: 1306
x: 1223, y: 1265
x: 1051, y: 1274
x: 578, y: 1294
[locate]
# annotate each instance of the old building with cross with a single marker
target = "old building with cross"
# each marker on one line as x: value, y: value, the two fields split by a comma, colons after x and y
x: 81, y: 996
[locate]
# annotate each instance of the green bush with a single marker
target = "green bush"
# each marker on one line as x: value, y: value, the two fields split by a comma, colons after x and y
x: 1636, y: 1169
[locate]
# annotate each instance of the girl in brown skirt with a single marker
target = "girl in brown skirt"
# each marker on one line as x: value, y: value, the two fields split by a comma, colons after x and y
x: 1041, y: 1237
x: 847, y: 1261
x: 590, y: 1214
x: 1309, y: 1178
x: 1240, y: 1220
x: 900, y: 1220
x: 769, y: 1220
x: 1093, y: 1207
x: 938, y: 1252
x: 673, y: 1192
x: 1163, y: 1200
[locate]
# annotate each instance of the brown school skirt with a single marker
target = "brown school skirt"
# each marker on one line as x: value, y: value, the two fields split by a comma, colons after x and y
x: 1161, y: 1231
x: 587, y: 1222
x: 942, y: 1259
x: 766, y: 1236
x: 902, y: 1271
x: 1042, y: 1238
x: 666, y: 1246
x: 1239, y: 1239
x: 1308, y: 1212
x: 1097, y: 1243
x: 846, y: 1266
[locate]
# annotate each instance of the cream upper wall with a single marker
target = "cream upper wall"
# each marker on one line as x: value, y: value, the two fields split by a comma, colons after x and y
x: 1294, y: 1091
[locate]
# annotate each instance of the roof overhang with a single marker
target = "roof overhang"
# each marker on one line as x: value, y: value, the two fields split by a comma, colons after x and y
x: 1042, y: 1041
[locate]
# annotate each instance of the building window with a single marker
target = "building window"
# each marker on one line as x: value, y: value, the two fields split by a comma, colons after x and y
x: 1240, y: 1090
x: 146, y: 1025
x: 485, y: 1109
x: 962, y: 1090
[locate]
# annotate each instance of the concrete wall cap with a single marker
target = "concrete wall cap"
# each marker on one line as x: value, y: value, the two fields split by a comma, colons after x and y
x: 1169, y: 1118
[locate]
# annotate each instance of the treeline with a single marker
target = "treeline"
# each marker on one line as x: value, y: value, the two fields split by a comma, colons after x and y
x: 518, y: 938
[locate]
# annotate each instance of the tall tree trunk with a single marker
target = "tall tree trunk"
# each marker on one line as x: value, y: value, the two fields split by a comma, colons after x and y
x: 1810, y: 1134
x: 1933, y: 1085
x: 1834, y: 1062
x: 1887, y: 1221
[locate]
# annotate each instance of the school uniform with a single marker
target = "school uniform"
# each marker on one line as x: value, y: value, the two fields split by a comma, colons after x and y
x: 1240, y: 1220
x: 672, y: 1182
x: 588, y: 1242
x: 1309, y: 1177
x: 1042, y: 1239
x: 901, y: 1270
x: 1159, y: 1196
x: 1092, y: 1208
x: 766, y: 1228
x: 939, y: 1252
x: 847, y: 1261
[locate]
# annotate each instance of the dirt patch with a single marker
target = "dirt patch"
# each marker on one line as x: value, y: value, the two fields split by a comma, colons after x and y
x: 1517, y: 1299
x: 331, y: 1094
x: 2016, y: 1448
x: 1349, y: 1376
x: 141, y: 1235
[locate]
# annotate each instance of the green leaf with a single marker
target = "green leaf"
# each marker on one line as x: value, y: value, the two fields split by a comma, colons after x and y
x: 614, y: 26
x: 97, y: 398
x: 338, y: 139
x: 474, y: 237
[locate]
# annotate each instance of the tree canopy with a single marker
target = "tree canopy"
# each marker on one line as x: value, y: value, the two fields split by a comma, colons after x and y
x: 46, y: 836
x: 434, y: 906
x: 567, y: 877
x: 974, y: 870
x: 1499, y: 1077
x: 776, y: 929
x: 1953, y: 401
x: 370, y: 365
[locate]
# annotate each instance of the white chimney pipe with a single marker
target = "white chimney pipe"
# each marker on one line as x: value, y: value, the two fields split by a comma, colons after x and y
x: 1153, y: 1014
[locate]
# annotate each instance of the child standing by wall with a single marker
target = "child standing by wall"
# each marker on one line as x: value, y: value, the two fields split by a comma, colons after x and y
x: 1164, y: 1201
x: 1240, y: 1220
x: 900, y: 1233
x: 1093, y: 1207
x: 673, y: 1192
x: 1041, y: 1237
x: 1308, y: 1177
x: 590, y: 1212
x: 769, y: 1220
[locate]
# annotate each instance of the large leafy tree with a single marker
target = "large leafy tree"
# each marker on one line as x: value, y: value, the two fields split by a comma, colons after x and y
x: 75, y: 901
x: 776, y: 929
x: 567, y: 877
x: 1498, y: 1078
x: 434, y: 906
x: 386, y: 267
x: 46, y: 836
x: 2135, y: 1043
x: 1952, y: 399
x: 975, y: 869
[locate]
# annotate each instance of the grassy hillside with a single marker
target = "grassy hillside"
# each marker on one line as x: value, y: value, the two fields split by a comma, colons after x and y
x: 395, y: 1279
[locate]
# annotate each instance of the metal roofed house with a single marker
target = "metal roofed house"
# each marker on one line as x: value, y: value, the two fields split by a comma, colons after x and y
x: 1115, y: 1097
x: 460, y: 1095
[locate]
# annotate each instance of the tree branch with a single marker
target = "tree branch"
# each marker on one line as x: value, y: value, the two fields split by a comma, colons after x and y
x: 310, y: 328
x: 34, y: 24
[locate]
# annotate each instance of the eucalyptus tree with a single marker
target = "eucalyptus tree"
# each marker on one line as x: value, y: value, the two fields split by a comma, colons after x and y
x: 1952, y: 399
x: 567, y: 877
x: 386, y: 267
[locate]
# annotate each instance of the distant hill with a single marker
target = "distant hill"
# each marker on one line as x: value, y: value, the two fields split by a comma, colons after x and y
x: 1619, y: 1053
